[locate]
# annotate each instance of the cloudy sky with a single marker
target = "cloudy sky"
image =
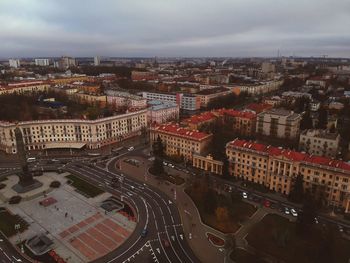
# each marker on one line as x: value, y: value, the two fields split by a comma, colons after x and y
x: 174, y: 27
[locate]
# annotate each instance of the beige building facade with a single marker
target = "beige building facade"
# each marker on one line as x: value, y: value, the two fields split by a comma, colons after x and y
x: 277, y: 169
x: 181, y: 141
x: 94, y: 134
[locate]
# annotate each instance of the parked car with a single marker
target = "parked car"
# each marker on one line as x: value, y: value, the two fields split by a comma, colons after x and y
x: 131, y: 148
x: 293, y: 212
x: 286, y: 211
x: 245, y: 195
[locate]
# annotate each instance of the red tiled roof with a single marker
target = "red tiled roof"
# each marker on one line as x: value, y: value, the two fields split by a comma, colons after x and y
x: 259, y: 107
x: 205, y: 116
x: 291, y: 155
x: 236, y: 113
x: 179, y: 131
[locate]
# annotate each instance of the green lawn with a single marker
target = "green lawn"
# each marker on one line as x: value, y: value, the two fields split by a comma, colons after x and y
x: 84, y: 187
x: 276, y: 236
x: 242, y: 256
x: 237, y: 210
x: 8, y: 222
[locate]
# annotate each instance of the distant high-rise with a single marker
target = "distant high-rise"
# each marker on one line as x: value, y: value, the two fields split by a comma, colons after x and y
x: 97, y: 61
x: 14, y: 63
x: 42, y: 62
x: 66, y: 62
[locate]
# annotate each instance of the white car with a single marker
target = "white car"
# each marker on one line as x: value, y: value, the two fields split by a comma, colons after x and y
x: 245, y: 195
x: 171, y: 165
x: 165, y: 163
x: 316, y: 220
x: 286, y: 211
x: 293, y: 212
x: 131, y: 148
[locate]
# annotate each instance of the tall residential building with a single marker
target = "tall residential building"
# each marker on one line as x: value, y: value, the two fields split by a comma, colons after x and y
x: 319, y: 142
x: 97, y: 61
x: 14, y: 63
x: 66, y: 62
x: 42, y: 62
x: 279, y: 123
x: 180, y: 141
x: 72, y: 133
x: 277, y: 169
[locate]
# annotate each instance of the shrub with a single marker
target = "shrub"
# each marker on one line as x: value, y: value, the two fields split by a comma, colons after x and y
x: 15, y: 199
x: 55, y: 184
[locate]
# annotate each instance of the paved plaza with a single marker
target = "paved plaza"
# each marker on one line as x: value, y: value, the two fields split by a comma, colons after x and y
x: 79, y: 227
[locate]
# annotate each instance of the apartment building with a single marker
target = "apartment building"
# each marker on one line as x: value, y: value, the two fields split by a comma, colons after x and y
x: 319, y: 142
x: 279, y: 123
x: 260, y: 88
x: 92, y: 99
x: 72, y: 133
x: 121, y: 99
x: 277, y: 168
x: 143, y: 75
x: 24, y: 87
x: 43, y: 62
x: 161, y: 112
x: 243, y: 122
x: 181, y: 141
x: 185, y: 101
x: 208, y: 95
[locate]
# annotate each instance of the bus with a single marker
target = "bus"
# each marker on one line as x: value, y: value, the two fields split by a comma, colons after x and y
x: 31, y: 160
x: 94, y: 154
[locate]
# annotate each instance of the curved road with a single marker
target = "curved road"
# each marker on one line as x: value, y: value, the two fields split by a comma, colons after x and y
x: 156, y: 213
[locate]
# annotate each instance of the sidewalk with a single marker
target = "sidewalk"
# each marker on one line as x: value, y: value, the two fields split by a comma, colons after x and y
x: 189, y: 214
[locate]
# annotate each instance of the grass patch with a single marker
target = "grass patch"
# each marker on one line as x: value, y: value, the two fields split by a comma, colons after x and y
x: 242, y: 256
x: 8, y: 222
x: 223, y: 213
x: 84, y: 187
x: 277, y: 237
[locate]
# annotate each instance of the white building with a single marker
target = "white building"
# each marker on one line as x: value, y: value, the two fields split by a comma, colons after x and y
x: 97, y: 61
x: 24, y: 87
x: 319, y: 142
x: 125, y: 99
x: 72, y: 133
x: 261, y: 88
x: 14, y: 63
x: 42, y: 62
x: 279, y: 123
x: 185, y: 101
x: 162, y: 112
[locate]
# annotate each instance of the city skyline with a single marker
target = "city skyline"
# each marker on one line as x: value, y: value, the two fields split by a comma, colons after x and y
x: 169, y: 29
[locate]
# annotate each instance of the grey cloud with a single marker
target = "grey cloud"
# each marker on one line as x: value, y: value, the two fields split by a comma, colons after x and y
x: 174, y: 27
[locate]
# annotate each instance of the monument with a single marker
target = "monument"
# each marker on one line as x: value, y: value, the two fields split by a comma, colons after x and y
x: 26, y: 181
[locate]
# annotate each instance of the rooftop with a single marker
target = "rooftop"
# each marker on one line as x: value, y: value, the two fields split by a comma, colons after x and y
x: 175, y: 129
x: 291, y: 155
x: 259, y: 107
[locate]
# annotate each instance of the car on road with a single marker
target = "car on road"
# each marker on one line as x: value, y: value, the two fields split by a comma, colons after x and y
x: 171, y: 165
x: 340, y: 228
x: 165, y: 163
x: 267, y: 203
x: 131, y: 148
x: 293, y: 212
x: 245, y: 195
x: 286, y: 211
x: 144, y: 232
x: 166, y: 243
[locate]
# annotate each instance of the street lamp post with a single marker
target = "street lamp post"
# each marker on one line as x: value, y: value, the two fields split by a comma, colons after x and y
x: 18, y: 227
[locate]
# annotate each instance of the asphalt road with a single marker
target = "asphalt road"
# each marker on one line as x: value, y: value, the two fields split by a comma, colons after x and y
x: 156, y: 213
x: 8, y: 254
